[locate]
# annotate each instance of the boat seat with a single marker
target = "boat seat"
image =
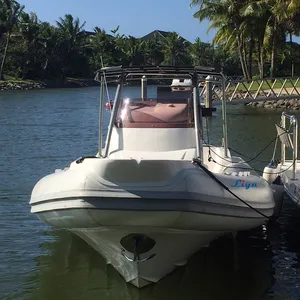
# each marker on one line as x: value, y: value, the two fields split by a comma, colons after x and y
x: 184, y: 154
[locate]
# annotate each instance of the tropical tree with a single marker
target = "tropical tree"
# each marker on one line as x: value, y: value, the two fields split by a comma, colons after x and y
x: 202, y: 53
x: 104, y: 49
x: 10, y: 11
x: 226, y: 17
x: 248, y: 32
x: 279, y: 15
x: 133, y: 49
x: 257, y: 28
x: 293, y: 28
x: 70, y: 29
x: 50, y: 58
x: 99, y: 44
x: 175, y: 49
x: 227, y: 60
x: 29, y: 28
x: 153, y: 51
x: 71, y: 42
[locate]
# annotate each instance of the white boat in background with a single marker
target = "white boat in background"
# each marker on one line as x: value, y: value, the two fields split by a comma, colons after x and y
x: 287, y: 169
x: 156, y: 193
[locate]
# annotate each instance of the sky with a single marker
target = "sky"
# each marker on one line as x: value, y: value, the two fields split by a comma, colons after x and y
x: 135, y: 17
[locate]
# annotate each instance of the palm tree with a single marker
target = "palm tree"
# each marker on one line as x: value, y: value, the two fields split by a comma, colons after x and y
x: 29, y: 28
x: 256, y: 30
x: 153, y: 51
x: 48, y: 38
x: 293, y: 28
x: 104, y: 49
x: 71, y: 30
x: 71, y: 34
x: 202, y: 53
x: 10, y: 11
x: 226, y: 17
x: 175, y: 49
x: 133, y: 49
x: 282, y: 13
x: 98, y: 44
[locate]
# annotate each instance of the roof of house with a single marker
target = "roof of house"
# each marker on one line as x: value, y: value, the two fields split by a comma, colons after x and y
x: 155, y: 34
x: 159, y: 34
x: 152, y: 35
x: 88, y: 33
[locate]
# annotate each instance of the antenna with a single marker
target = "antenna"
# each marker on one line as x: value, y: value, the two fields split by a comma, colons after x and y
x: 105, y: 82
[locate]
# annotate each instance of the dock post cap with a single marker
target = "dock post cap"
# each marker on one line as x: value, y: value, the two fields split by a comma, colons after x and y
x: 209, y: 77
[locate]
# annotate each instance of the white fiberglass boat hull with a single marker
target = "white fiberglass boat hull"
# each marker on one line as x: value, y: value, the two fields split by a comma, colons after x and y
x: 172, y: 248
x: 291, y: 185
x: 182, y: 212
x: 175, y: 235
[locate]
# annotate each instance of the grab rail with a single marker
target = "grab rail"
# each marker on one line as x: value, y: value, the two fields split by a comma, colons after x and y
x: 294, y: 122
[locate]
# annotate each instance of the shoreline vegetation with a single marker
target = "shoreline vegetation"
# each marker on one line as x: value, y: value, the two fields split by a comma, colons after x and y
x: 11, y: 85
x: 293, y: 104
x: 253, y: 39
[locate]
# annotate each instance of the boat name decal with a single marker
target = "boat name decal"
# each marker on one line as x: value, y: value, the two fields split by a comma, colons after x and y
x: 243, y: 183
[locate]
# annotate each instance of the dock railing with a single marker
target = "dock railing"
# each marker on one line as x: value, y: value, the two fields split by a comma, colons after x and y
x: 238, y: 89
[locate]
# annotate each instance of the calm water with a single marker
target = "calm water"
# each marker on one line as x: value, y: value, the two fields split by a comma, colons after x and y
x: 41, y: 131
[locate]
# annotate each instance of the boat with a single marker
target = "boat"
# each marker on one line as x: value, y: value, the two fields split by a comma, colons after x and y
x: 287, y: 169
x: 156, y: 193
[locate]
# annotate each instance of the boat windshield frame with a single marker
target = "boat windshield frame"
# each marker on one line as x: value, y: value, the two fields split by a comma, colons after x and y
x: 124, y: 75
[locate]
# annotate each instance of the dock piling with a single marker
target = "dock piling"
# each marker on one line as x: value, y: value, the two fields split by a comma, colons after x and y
x: 144, y: 88
x: 209, y: 91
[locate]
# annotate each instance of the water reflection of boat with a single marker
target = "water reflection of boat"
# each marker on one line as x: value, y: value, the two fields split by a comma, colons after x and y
x: 156, y: 193
x: 70, y: 269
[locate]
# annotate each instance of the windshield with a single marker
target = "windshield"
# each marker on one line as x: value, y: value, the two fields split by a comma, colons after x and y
x: 136, y: 113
